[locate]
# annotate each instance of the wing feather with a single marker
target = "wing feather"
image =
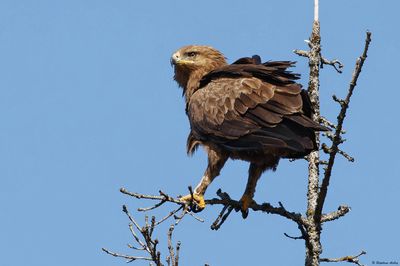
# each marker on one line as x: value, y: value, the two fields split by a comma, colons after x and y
x: 266, y: 115
x: 247, y: 101
x: 240, y: 106
x: 253, y: 106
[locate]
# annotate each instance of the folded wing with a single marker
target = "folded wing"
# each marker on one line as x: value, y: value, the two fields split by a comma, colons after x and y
x: 254, y: 107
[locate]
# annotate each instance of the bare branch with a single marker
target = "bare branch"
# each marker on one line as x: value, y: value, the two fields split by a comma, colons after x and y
x: 178, y: 248
x: 313, y: 90
x: 293, y: 237
x: 143, y: 196
x: 221, y: 217
x: 328, y: 150
x: 135, y: 248
x: 337, y: 140
x: 225, y: 200
x: 170, y: 247
x: 339, y: 101
x: 180, y: 217
x: 137, y: 238
x: 326, y: 122
x: 303, y: 235
x: 336, y: 64
x: 346, y: 155
x: 313, y: 243
x: 129, y: 258
x: 169, y: 215
x: 149, y: 244
x: 153, y: 225
x: 350, y: 259
x: 341, y: 211
x: 195, y: 217
x: 329, y: 124
x: 152, y: 207
x: 302, y: 53
x: 125, y: 210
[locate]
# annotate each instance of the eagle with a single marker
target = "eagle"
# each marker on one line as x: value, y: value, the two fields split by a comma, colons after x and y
x: 247, y: 110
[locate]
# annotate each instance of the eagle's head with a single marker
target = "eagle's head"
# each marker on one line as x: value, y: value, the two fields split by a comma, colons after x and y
x: 194, y: 61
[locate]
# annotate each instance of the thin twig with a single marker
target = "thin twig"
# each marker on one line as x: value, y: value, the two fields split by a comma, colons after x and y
x: 178, y: 248
x: 152, y: 197
x: 140, y: 196
x: 137, y: 238
x: 179, y: 218
x: 346, y: 155
x: 328, y: 150
x: 293, y: 237
x: 304, y: 234
x: 336, y: 64
x: 169, y: 215
x: 326, y: 122
x: 125, y: 210
x: 221, y: 218
x: 170, y: 247
x: 152, y: 207
x: 135, y: 248
x: 195, y: 217
x: 129, y: 258
x: 152, y: 225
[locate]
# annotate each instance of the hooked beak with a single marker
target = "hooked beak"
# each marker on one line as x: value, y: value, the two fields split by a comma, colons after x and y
x: 177, y: 60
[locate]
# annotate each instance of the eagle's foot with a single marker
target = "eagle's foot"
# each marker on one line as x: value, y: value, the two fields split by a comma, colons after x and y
x: 195, y: 201
x: 245, y: 203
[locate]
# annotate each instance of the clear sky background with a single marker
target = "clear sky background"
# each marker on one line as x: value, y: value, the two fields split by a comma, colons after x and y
x: 88, y: 105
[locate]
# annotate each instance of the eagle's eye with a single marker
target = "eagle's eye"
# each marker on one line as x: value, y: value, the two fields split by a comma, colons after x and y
x: 191, y: 54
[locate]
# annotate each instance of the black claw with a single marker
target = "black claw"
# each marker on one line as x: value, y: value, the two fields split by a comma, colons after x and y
x: 194, y: 207
x: 245, y: 213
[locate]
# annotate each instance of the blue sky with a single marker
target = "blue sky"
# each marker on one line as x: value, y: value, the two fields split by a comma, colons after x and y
x: 88, y: 105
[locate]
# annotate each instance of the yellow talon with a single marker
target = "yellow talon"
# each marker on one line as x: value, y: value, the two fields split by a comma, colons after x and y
x: 198, y: 199
x: 245, y: 201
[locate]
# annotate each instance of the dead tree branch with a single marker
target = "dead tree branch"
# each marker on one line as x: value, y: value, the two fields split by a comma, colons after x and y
x: 313, y: 247
x: 341, y: 211
x: 337, y: 139
x: 129, y: 258
x: 336, y: 64
x: 173, y: 258
x: 227, y: 203
x: 316, y: 194
x: 148, y: 243
x: 350, y: 259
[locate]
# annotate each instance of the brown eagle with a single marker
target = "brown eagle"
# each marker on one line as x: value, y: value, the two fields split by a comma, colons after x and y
x: 248, y: 110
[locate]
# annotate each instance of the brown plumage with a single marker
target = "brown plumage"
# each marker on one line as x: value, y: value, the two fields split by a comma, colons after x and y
x: 248, y: 110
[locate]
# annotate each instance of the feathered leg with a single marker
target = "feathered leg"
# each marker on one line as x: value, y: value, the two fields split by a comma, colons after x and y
x: 255, y: 171
x: 216, y: 161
